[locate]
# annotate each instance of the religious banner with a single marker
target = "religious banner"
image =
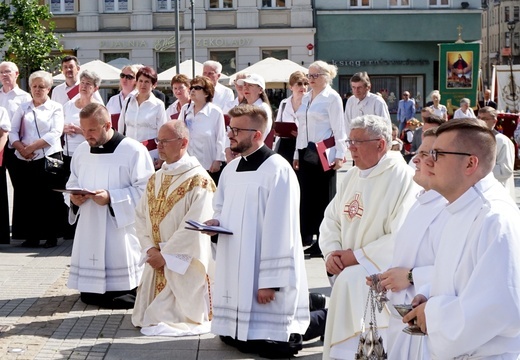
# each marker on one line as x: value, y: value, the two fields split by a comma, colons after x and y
x: 459, y: 65
x: 506, y: 89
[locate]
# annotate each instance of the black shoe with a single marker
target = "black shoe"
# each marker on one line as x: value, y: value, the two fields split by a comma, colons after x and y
x: 316, y: 301
x: 282, y: 350
x: 30, y: 243
x: 50, y: 243
x: 313, y: 252
x: 307, y: 240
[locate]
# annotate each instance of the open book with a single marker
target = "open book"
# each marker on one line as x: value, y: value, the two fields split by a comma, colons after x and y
x: 195, y: 225
x: 76, y: 191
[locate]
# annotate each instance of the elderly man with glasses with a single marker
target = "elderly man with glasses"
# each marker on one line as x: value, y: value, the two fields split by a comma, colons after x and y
x: 356, y: 232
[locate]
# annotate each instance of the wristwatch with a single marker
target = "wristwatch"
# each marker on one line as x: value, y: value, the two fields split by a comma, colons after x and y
x: 410, y: 276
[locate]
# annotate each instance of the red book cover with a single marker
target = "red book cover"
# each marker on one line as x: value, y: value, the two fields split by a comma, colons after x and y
x: 115, y: 121
x: 150, y: 144
x: 327, y: 152
x: 284, y: 129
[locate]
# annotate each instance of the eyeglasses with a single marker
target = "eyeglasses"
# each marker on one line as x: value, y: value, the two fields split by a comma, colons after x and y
x: 313, y: 76
x: 86, y: 84
x: 302, y: 83
x: 196, y: 87
x: 165, y: 141
x: 208, y: 73
x: 236, y: 130
x: 127, y: 76
x: 6, y: 72
x: 358, y: 142
x: 435, y: 153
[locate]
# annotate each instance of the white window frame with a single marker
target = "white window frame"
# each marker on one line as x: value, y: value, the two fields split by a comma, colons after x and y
x: 116, y: 6
x: 399, y: 4
x: 221, y: 5
x: 274, y: 4
x: 439, y: 4
x: 62, y: 7
x: 215, y: 50
x: 359, y: 5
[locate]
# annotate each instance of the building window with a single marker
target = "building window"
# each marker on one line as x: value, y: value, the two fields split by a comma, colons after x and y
x: 165, y: 5
x: 273, y: 3
x: 165, y: 60
x: 62, y: 6
x: 279, y: 54
x: 107, y: 57
x: 220, y: 4
x: 516, y: 13
x: 439, y: 2
x: 506, y: 13
x: 359, y: 3
x: 399, y: 3
x: 227, y: 58
x: 115, y: 5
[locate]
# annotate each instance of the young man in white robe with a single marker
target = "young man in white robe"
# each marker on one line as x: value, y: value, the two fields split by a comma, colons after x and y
x: 413, y: 259
x: 173, y: 298
x: 261, y: 300
x: 505, y: 161
x: 105, y: 256
x: 356, y: 232
x: 471, y: 310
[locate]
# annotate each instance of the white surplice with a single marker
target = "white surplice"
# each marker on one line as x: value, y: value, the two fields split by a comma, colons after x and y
x: 414, y: 249
x: 106, y: 251
x: 362, y: 216
x: 473, y: 311
x: 265, y: 251
x: 176, y: 300
x: 505, y: 163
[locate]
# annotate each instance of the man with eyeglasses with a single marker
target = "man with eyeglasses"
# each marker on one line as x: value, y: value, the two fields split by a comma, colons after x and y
x: 505, y: 161
x: 105, y: 262
x: 11, y: 96
x: 69, y: 89
x: 223, y: 95
x: 175, y: 288
x: 356, y: 232
x: 471, y: 308
x: 260, y: 297
x: 363, y: 102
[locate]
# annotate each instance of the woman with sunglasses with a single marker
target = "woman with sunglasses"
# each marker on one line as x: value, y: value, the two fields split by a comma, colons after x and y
x: 206, y: 124
x: 286, y: 143
x: 320, y: 117
x: 143, y: 114
x: 181, y: 89
x: 127, y: 88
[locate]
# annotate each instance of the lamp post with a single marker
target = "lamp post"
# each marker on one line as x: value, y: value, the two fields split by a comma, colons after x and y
x: 511, y: 27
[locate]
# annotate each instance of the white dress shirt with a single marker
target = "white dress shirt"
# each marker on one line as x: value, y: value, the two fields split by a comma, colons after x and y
x: 59, y: 94
x: 372, y: 104
x: 49, y: 118
x: 71, y: 116
x: 115, y: 103
x: 222, y: 96
x: 11, y: 100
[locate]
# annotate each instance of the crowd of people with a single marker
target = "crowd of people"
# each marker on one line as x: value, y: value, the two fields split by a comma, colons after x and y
x: 427, y: 209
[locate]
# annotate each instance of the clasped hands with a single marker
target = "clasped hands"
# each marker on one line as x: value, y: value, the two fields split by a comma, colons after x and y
x: 71, y: 129
x: 339, y: 260
x: 101, y: 197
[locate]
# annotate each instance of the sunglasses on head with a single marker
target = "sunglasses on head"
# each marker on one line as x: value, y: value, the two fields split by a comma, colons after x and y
x: 196, y: 87
x: 127, y: 76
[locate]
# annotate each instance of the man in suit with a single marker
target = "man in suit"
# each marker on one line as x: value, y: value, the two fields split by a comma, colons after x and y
x: 487, y: 100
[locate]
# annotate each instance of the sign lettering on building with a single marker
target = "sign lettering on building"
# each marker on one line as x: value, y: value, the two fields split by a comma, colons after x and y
x: 218, y: 42
x: 381, y: 62
x: 123, y: 44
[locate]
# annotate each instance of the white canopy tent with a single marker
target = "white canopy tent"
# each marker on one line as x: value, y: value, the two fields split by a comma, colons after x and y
x: 276, y: 73
x: 185, y: 68
x: 108, y: 73
x: 120, y: 62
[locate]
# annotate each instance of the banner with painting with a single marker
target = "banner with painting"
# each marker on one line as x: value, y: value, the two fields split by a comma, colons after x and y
x: 507, y: 87
x: 458, y: 74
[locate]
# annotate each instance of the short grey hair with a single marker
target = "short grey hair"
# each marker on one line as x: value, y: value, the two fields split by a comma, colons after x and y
x: 329, y: 71
x: 11, y: 65
x: 376, y: 126
x: 465, y: 101
x: 92, y: 76
x: 44, y: 75
x: 215, y: 65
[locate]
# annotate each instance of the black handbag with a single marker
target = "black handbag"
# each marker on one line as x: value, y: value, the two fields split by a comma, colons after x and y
x: 311, y: 154
x: 53, y: 163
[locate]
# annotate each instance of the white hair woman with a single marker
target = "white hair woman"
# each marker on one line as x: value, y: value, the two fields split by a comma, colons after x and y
x: 464, y: 111
x: 36, y: 129
x: 438, y: 109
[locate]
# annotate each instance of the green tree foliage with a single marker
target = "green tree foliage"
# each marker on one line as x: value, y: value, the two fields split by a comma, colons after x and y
x: 28, y: 37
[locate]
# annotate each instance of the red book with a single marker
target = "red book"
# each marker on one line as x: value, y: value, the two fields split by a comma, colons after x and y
x: 115, y: 120
x: 175, y: 116
x: 150, y: 144
x: 269, y: 140
x: 73, y: 92
x: 1, y: 157
x: 284, y: 129
x: 327, y: 152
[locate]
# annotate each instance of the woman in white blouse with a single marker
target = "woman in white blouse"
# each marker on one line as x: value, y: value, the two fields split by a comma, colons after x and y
x: 464, y: 111
x: 320, y: 116
x: 127, y: 85
x: 438, y: 109
x: 36, y: 128
x: 287, y: 113
x: 205, y: 122
x: 143, y: 114
x: 181, y: 89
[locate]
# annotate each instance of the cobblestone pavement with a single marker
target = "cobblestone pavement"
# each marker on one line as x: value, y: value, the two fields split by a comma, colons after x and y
x: 40, y: 318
